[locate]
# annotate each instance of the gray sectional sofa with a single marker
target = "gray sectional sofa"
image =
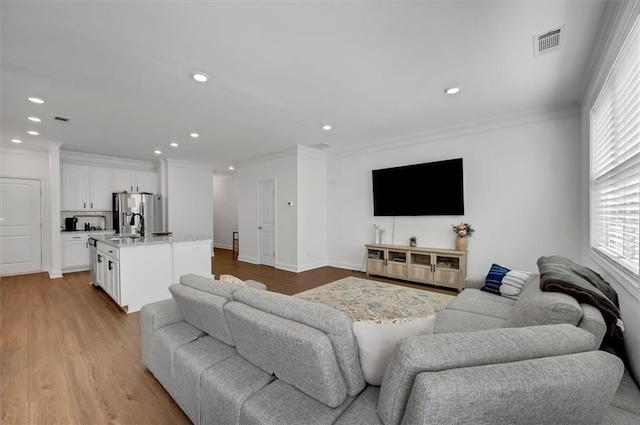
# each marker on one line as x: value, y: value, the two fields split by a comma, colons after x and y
x: 240, y: 355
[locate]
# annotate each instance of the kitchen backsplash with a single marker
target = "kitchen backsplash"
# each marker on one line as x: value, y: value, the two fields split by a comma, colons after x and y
x: 94, y: 218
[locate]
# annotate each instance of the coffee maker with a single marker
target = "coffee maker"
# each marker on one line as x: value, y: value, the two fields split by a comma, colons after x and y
x: 70, y: 224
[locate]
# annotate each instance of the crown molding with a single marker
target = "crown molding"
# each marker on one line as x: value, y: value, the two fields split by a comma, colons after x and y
x: 312, y: 153
x: 25, y: 152
x: 71, y: 157
x: 270, y: 156
x: 614, y: 30
x: 519, y: 119
x: 188, y: 164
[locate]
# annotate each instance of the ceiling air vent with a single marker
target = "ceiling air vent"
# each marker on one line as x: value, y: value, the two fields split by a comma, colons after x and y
x: 63, y: 119
x: 548, y: 41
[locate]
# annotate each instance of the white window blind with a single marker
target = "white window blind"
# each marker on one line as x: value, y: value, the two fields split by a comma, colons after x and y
x: 615, y: 165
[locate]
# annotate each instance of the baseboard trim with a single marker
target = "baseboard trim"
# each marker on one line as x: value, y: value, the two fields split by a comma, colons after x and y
x: 248, y: 259
x: 223, y: 246
x: 347, y: 266
x: 55, y: 274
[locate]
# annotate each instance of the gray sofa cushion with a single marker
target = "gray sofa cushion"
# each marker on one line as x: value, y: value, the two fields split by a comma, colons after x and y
x: 211, y: 286
x: 294, y: 352
x: 225, y: 387
x: 203, y: 310
x: 281, y: 404
x: 189, y: 362
x: 484, y: 303
x: 450, y: 351
x: 570, y: 389
x: 535, y: 307
x: 363, y: 410
x: 593, y: 322
x: 164, y: 343
x: 153, y: 317
x: 449, y: 321
x: 330, y: 321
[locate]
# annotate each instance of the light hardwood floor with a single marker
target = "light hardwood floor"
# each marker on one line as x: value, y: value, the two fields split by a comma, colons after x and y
x: 69, y: 355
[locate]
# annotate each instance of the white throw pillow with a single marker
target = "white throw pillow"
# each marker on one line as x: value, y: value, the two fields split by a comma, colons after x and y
x: 232, y: 279
x: 376, y: 342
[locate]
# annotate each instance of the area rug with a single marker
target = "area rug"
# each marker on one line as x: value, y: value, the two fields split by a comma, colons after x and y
x: 363, y: 299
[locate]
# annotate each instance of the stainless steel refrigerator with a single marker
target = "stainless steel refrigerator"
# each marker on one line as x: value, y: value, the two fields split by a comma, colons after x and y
x: 134, y: 211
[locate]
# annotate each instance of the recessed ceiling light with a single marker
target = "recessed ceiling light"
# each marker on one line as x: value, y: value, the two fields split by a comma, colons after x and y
x: 231, y: 167
x: 16, y: 140
x: 200, y: 77
x: 326, y: 127
x: 34, y: 119
x: 174, y: 144
x: 452, y: 90
x: 33, y: 133
x: 194, y: 135
x: 157, y: 152
x: 36, y: 100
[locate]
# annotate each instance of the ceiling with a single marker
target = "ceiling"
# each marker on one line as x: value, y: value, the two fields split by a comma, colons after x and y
x: 376, y: 71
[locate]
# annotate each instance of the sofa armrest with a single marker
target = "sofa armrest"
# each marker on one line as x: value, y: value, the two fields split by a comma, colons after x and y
x: 153, y: 317
x: 574, y: 388
x: 475, y: 281
x: 434, y: 353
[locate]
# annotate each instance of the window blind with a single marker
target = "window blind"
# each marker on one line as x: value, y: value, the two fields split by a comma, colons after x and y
x: 615, y: 164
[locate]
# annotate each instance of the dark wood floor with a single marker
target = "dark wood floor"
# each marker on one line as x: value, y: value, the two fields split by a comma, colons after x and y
x: 69, y: 355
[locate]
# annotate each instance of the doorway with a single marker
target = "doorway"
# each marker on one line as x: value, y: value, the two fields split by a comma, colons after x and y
x: 20, y: 230
x: 267, y: 223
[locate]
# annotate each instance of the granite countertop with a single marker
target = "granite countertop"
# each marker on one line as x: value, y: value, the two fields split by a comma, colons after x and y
x: 121, y: 241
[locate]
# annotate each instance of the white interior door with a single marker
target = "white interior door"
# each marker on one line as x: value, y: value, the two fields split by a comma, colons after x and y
x: 20, y: 233
x: 267, y: 223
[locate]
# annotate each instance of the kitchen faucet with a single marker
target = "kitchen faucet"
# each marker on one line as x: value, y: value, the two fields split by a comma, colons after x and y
x: 133, y: 221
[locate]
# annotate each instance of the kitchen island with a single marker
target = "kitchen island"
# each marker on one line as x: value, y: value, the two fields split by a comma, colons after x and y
x: 137, y: 270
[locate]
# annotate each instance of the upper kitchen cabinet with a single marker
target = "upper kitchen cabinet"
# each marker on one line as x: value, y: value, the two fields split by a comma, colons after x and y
x: 135, y: 181
x: 86, y: 188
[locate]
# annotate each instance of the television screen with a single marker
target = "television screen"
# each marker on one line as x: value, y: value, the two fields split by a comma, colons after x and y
x: 433, y: 188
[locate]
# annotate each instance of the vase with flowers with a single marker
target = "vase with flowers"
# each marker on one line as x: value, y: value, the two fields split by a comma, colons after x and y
x: 413, y: 241
x: 462, y: 231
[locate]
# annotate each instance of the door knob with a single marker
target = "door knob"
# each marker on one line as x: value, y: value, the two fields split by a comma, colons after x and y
x: 259, y: 227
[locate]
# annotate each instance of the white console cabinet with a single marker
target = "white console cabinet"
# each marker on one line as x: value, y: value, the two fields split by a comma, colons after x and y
x: 440, y: 267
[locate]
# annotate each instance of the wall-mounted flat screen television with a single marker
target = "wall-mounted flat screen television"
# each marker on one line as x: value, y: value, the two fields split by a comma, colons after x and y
x: 433, y: 188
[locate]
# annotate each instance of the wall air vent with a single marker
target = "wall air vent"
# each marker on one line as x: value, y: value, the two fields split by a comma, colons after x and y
x: 549, y: 41
x: 63, y: 119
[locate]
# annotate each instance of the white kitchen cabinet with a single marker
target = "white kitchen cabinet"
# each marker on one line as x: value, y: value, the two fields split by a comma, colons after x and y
x: 135, y: 181
x: 75, y: 250
x: 86, y: 188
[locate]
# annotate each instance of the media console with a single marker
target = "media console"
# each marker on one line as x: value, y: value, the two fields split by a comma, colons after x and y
x: 433, y: 266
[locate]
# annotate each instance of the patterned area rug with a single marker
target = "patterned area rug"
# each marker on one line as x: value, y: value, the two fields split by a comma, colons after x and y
x: 363, y: 299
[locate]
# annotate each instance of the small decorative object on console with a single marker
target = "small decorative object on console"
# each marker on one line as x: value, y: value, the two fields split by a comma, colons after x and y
x: 413, y: 241
x: 462, y: 231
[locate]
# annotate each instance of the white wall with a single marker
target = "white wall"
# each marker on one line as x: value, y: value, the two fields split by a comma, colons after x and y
x: 312, y: 208
x: 225, y: 210
x: 282, y: 169
x: 521, y: 195
x: 189, y: 198
x: 616, y: 26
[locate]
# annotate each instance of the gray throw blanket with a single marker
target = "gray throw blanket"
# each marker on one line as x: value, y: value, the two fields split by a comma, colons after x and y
x: 560, y: 274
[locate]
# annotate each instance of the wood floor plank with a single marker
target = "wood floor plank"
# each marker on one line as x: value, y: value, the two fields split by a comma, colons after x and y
x: 70, y: 355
